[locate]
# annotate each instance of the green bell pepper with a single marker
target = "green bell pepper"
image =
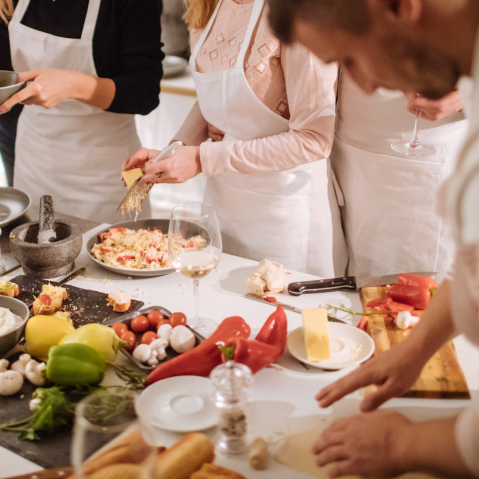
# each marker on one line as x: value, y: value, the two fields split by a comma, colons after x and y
x: 75, y: 364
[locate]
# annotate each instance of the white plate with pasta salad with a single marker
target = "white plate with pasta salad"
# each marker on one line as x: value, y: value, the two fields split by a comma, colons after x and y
x: 135, y: 248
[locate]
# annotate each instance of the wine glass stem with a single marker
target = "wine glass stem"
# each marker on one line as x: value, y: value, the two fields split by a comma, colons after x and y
x: 414, y: 141
x: 196, y: 290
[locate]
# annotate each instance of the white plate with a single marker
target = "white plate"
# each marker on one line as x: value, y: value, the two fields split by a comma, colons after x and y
x: 13, y: 204
x: 179, y: 404
x: 173, y: 66
x: 133, y: 225
x: 349, y: 346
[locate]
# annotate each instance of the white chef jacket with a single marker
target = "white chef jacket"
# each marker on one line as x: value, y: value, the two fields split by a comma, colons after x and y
x: 463, y: 214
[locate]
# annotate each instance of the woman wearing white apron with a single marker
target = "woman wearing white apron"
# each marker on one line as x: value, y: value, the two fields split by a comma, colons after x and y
x: 273, y: 198
x: 389, y: 212
x: 67, y: 145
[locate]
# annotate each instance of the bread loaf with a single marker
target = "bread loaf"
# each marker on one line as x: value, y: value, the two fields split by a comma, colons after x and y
x: 212, y: 471
x: 119, y: 300
x: 185, y: 457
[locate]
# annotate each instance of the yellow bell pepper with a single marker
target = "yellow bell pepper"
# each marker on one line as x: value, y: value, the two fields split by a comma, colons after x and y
x: 43, y: 332
x: 99, y: 337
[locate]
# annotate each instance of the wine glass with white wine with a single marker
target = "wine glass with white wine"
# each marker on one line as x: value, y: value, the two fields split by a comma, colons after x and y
x: 194, y: 248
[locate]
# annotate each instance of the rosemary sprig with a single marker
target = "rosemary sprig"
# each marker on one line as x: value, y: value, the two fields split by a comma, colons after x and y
x: 133, y: 378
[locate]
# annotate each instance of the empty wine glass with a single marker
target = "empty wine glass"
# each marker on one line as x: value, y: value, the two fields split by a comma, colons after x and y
x: 108, y: 438
x: 414, y: 147
x: 194, y: 248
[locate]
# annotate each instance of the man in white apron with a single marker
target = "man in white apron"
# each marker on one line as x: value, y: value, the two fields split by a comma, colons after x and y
x: 415, y: 46
x: 72, y: 151
x: 389, y: 213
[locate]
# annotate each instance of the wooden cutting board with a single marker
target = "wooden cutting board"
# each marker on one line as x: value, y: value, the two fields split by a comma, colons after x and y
x: 441, y: 378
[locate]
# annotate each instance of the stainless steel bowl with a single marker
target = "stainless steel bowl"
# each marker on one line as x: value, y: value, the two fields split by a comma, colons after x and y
x: 10, y: 340
x: 9, y: 85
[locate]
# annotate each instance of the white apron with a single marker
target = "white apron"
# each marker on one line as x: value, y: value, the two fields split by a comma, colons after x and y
x: 389, y: 216
x: 74, y: 151
x: 289, y: 216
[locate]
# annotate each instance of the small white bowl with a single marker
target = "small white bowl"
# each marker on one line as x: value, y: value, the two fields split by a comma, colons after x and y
x: 9, y: 85
x: 349, y: 346
x: 10, y: 340
x: 180, y: 404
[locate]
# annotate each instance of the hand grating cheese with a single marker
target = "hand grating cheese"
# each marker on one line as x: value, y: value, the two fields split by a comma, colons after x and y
x: 316, y: 334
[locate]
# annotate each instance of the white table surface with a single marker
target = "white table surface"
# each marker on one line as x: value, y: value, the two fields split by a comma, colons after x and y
x: 280, y: 398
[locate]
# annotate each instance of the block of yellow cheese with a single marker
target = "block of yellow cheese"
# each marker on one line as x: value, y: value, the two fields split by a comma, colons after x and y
x: 316, y: 334
x: 131, y: 175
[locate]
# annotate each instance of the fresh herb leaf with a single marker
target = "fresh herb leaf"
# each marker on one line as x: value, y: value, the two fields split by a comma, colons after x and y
x: 54, y: 411
x: 333, y: 310
x: 133, y: 378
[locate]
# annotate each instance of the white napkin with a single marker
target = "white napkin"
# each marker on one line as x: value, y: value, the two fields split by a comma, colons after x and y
x: 267, y: 279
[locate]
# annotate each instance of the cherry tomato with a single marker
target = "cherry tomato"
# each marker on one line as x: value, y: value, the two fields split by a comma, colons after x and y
x: 139, y: 324
x: 119, y: 328
x: 45, y: 299
x: 177, y: 319
x: 154, y: 318
x: 148, y: 337
x: 130, y: 338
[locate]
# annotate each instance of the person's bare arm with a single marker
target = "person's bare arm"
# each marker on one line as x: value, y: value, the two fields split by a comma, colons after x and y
x: 47, y: 88
x: 194, y: 129
x: 396, y: 370
x: 386, y: 444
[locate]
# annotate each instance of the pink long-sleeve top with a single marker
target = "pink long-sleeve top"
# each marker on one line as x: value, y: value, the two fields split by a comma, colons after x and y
x: 276, y: 74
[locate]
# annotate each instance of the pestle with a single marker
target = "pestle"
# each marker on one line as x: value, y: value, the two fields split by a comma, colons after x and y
x: 46, y: 232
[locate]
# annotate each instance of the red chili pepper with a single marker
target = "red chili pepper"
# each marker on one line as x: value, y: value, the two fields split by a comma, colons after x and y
x: 202, y: 359
x: 271, y: 299
x: 275, y: 329
x: 268, y: 346
x: 254, y: 354
x: 418, y: 281
x: 412, y: 295
x: 120, y: 259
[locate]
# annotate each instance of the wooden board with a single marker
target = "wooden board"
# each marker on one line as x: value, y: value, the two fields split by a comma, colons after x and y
x: 441, y: 378
x: 84, y: 305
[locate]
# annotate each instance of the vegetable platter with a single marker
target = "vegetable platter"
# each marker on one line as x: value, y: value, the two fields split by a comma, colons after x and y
x: 441, y: 378
x: 84, y: 305
x: 127, y: 321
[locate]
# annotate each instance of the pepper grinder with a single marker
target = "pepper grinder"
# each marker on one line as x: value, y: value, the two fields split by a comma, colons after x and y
x: 231, y: 380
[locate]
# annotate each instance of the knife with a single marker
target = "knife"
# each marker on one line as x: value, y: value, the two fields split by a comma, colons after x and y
x: 255, y: 297
x: 347, y: 283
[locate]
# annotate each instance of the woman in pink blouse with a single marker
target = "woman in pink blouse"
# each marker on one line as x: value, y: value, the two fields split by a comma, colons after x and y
x: 273, y: 107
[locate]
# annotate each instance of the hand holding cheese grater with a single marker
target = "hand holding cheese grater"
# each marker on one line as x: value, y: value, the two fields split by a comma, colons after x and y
x: 137, y: 193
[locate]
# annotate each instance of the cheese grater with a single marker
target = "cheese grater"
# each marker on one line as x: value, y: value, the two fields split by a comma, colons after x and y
x: 136, y: 194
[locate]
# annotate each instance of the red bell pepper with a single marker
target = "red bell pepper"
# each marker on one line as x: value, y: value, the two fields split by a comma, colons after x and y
x: 202, y: 359
x: 268, y: 346
x: 418, y: 281
x: 388, y: 305
x: 417, y: 297
x: 363, y: 324
x: 254, y: 354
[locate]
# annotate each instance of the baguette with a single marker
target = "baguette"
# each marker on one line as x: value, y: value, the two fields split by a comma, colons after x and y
x: 56, y: 293
x: 9, y: 289
x: 185, y: 457
x: 119, y: 300
x: 118, y: 471
x: 213, y: 471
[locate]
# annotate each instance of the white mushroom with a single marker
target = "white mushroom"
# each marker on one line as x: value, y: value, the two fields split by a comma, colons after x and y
x: 34, y: 404
x: 142, y: 352
x: 153, y: 360
x: 3, y: 365
x: 10, y: 382
x: 182, y: 339
x: 164, y: 332
x: 159, y: 345
x: 34, y: 372
x: 406, y: 319
x: 21, y: 364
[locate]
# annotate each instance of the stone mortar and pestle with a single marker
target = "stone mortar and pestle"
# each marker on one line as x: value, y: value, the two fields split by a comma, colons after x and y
x: 46, y: 248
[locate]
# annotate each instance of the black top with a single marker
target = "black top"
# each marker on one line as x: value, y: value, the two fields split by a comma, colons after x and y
x: 126, y: 44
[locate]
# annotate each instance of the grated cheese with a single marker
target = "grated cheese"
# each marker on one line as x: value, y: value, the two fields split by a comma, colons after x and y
x: 142, y: 249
